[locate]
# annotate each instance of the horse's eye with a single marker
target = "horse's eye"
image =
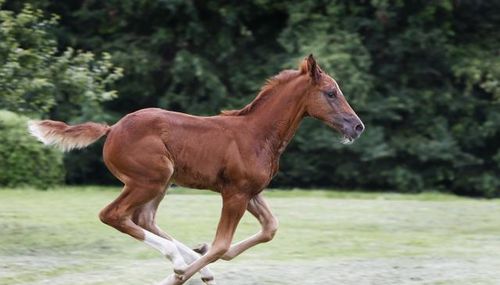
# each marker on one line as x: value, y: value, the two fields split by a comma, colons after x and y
x: 330, y: 94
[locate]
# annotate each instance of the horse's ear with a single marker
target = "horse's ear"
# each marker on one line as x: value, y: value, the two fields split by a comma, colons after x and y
x: 310, y: 67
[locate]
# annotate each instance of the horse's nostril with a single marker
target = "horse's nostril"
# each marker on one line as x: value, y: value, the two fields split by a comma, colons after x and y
x: 359, y: 128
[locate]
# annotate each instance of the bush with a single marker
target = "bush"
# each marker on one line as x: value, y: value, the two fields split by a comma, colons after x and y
x: 23, y: 160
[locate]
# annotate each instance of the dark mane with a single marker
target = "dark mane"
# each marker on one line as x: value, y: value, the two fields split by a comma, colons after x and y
x: 265, y: 92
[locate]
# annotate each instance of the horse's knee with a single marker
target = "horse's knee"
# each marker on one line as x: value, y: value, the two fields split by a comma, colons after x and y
x: 217, y: 251
x: 270, y: 230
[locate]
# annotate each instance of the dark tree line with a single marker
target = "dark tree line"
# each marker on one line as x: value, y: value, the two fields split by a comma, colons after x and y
x: 423, y: 76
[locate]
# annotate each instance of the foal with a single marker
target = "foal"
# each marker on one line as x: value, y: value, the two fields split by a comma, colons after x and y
x: 235, y: 154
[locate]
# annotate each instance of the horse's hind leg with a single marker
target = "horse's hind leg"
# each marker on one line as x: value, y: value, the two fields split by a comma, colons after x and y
x: 146, y: 218
x: 120, y: 212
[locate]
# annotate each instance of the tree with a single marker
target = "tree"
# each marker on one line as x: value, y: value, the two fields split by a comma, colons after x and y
x: 423, y: 76
x: 38, y: 80
x: 41, y: 81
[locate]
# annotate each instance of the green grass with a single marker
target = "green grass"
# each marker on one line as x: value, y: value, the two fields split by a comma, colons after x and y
x: 55, y: 237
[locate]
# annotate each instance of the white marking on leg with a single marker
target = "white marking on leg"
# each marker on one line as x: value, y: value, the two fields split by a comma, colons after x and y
x: 165, y: 247
x: 190, y: 256
x: 170, y: 280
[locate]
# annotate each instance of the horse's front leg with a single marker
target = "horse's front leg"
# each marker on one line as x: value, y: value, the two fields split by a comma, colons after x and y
x: 233, y: 208
x: 261, y: 210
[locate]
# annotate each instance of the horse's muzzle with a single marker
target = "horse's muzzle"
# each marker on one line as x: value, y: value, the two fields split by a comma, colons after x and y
x: 352, y: 127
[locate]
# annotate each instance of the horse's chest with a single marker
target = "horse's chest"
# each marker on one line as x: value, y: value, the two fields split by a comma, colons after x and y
x: 275, y: 165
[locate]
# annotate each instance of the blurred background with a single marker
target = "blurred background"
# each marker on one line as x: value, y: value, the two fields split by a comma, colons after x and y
x: 422, y: 75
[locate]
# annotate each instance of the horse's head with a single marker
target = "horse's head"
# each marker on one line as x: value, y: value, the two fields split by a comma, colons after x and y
x: 324, y: 101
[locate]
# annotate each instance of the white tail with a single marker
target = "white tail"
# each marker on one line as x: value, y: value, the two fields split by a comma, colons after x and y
x: 67, y: 137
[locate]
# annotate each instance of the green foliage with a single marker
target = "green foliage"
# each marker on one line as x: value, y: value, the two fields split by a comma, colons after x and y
x: 428, y: 96
x: 424, y: 77
x: 37, y: 79
x: 24, y: 161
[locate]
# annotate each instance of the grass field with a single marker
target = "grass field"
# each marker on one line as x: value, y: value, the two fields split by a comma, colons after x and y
x: 54, y: 237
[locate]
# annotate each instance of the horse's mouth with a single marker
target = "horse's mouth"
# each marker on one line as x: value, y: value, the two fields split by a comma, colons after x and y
x: 347, y: 139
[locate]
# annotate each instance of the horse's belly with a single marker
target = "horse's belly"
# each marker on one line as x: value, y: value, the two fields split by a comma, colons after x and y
x: 193, y: 179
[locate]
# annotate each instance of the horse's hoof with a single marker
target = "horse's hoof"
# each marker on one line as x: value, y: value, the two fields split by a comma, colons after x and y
x: 179, y: 265
x: 172, y: 279
x: 180, y: 272
x: 208, y: 280
x: 201, y: 248
x: 207, y: 276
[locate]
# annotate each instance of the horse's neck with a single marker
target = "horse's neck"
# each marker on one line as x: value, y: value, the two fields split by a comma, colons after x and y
x: 278, y: 120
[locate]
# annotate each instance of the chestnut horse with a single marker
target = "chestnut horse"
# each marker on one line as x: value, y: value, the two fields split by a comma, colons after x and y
x: 235, y: 153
